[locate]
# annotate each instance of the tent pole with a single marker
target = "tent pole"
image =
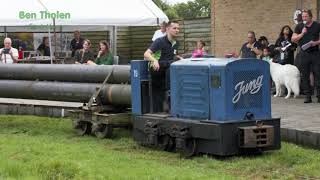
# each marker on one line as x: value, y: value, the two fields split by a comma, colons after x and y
x: 5, y: 31
x: 110, y: 38
x: 50, y: 45
x: 54, y: 36
x: 61, y: 45
x: 113, y: 39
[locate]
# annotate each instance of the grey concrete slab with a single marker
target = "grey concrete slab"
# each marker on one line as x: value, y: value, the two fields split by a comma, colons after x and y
x: 40, y: 102
x: 41, y: 111
x: 300, y: 122
x: 36, y: 107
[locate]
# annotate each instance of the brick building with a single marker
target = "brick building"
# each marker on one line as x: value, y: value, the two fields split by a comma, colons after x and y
x: 232, y: 19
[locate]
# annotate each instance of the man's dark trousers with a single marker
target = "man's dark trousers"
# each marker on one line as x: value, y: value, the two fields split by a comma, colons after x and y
x: 309, y: 62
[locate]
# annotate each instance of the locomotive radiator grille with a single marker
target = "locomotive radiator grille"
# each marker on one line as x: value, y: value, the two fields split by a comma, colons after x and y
x: 247, y: 89
x: 256, y: 136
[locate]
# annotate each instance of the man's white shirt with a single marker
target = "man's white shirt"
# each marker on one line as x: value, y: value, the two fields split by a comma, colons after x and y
x: 6, y: 58
x: 158, y: 34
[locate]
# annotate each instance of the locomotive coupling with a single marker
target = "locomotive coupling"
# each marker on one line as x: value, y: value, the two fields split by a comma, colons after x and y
x: 256, y: 136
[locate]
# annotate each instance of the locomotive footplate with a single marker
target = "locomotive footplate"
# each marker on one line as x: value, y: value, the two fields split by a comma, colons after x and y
x: 190, y: 137
x: 99, y: 124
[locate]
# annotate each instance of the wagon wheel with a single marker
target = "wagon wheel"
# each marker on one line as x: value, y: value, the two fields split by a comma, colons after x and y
x: 82, y: 127
x: 166, y: 143
x: 102, y: 130
x: 190, y: 148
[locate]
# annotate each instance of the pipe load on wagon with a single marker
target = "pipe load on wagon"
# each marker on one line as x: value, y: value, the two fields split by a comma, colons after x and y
x: 66, y: 73
x: 115, y: 94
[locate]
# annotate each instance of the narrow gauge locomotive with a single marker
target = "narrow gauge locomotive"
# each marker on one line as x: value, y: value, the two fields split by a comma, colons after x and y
x: 218, y: 106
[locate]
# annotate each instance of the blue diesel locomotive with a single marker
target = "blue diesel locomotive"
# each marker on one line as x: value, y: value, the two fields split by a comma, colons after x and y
x: 217, y: 106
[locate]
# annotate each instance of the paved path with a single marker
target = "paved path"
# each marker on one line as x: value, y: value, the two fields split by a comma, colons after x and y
x: 300, y: 122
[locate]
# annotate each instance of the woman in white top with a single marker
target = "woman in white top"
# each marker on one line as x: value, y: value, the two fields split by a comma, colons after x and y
x: 8, y: 54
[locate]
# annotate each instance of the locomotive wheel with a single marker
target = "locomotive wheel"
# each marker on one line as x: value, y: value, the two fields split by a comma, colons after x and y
x: 102, y: 131
x: 190, y: 148
x: 165, y: 143
x: 82, y: 127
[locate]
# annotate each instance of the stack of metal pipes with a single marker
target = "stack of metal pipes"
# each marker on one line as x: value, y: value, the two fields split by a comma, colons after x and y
x: 65, y: 82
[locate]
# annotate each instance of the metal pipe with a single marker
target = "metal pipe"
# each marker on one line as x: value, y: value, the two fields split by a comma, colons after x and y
x: 66, y: 72
x: 115, y: 94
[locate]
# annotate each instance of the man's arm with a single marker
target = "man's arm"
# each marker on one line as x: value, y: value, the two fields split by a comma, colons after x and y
x: 296, y: 37
x: 298, y: 34
x: 148, y: 55
x: 179, y: 57
x: 315, y: 43
x: 14, y: 55
x: 154, y: 62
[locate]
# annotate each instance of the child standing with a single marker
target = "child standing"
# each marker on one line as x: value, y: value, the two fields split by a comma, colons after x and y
x: 266, y: 54
x: 199, y: 51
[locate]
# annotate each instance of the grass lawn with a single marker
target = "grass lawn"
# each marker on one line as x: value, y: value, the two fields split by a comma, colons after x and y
x: 47, y: 148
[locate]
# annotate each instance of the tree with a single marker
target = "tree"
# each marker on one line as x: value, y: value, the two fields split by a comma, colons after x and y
x: 193, y: 9
x: 189, y: 10
x: 167, y: 9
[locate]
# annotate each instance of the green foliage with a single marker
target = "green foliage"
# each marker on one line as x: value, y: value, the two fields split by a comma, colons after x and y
x: 162, y: 4
x: 189, y: 10
x: 47, y: 148
x: 172, y: 14
x: 193, y: 9
x: 167, y: 9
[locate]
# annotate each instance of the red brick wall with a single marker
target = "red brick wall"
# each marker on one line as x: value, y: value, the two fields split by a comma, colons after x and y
x: 232, y: 19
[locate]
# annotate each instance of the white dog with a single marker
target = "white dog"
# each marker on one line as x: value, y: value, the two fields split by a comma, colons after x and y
x: 285, y: 75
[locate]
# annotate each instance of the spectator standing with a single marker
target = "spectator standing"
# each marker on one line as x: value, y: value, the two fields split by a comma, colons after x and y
x: 285, y: 47
x: 251, y: 48
x: 8, y: 54
x: 44, y: 47
x: 306, y: 34
x: 263, y: 41
x: 76, y: 43
x: 199, y: 51
x: 160, y: 32
x: 266, y: 52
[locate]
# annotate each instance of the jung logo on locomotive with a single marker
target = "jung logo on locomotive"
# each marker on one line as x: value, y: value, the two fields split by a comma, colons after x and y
x: 251, y: 87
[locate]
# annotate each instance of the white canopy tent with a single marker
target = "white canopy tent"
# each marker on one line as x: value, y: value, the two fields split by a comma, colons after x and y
x: 89, y: 13
x: 93, y: 15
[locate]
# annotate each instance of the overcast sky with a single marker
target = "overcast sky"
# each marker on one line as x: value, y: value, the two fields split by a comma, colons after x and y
x: 177, y: 1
